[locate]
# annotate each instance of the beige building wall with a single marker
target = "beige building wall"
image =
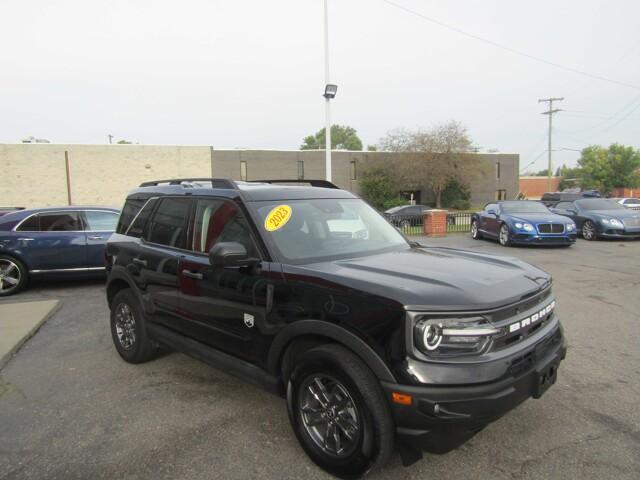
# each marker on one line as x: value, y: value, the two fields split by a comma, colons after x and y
x: 34, y: 175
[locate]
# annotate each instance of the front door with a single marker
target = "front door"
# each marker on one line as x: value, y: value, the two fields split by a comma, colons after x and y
x: 99, y: 225
x: 53, y: 241
x: 223, y: 307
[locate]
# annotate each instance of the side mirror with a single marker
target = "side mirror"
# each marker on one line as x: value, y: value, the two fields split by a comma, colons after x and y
x: 230, y: 254
x: 492, y: 212
x: 572, y: 210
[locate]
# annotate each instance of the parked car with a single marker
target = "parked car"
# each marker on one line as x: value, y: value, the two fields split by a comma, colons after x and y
x: 601, y: 217
x: 629, y: 202
x: 5, y: 210
x: 522, y: 222
x: 373, y: 341
x: 406, y: 216
x: 52, y: 241
x: 550, y: 199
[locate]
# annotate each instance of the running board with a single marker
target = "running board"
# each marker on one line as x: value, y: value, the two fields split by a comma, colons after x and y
x: 215, y: 358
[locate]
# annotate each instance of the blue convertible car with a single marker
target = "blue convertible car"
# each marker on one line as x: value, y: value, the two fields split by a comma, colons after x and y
x: 52, y: 241
x: 522, y: 222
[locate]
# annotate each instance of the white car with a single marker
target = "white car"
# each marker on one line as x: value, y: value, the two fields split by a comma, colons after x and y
x: 632, y: 203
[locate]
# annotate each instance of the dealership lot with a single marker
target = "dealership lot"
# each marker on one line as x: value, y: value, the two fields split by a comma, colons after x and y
x: 71, y: 408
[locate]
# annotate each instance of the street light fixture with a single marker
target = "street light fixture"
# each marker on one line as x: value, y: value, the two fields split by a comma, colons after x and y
x: 330, y: 91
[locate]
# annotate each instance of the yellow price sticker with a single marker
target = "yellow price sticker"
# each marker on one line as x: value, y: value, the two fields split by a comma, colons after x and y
x: 277, y: 218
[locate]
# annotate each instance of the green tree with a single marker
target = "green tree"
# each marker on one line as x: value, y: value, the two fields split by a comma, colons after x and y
x: 342, y: 138
x: 378, y: 188
x: 608, y: 168
x: 124, y: 142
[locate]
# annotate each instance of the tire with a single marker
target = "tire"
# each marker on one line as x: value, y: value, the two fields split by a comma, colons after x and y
x: 503, y: 236
x: 475, y: 233
x: 350, y: 403
x: 14, y: 276
x: 589, y: 230
x: 128, y: 329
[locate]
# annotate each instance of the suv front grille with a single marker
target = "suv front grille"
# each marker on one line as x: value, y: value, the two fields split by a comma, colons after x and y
x: 631, y: 222
x: 551, y: 228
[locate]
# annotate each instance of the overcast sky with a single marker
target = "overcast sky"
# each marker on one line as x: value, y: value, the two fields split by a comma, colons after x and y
x: 250, y: 73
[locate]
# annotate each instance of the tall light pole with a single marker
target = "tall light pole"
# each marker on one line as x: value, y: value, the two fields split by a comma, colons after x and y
x: 329, y: 93
x: 550, y: 112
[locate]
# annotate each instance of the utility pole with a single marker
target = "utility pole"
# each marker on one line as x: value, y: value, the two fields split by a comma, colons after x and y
x: 327, y: 99
x: 550, y: 112
x: 110, y: 137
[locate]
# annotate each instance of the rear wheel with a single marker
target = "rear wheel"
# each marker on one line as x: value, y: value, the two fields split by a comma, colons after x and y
x: 503, y: 236
x: 338, y: 412
x: 128, y: 329
x: 13, y: 275
x: 589, y: 231
x: 475, y: 233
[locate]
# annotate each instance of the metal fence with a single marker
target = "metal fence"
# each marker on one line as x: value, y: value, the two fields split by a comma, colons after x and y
x: 413, y: 224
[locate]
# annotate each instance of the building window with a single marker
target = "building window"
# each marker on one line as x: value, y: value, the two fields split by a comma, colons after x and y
x: 243, y: 170
x: 300, y: 169
x: 501, y: 194
x: 497, y: 170
x: 354, y: 170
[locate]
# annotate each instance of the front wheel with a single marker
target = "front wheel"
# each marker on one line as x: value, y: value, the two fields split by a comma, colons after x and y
x: 13, y: 275
x: 503, y: 236
x: 338, y: 412
x: 128, y: 329
x: 589, y: 231
x: 475, y: 233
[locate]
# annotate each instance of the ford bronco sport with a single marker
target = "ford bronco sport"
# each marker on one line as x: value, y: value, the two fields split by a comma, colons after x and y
x: 375, y: 341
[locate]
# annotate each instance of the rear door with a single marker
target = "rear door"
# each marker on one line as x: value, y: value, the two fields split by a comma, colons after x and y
x: 224, y: 307
x: 99, y: 225
x: 54, y: 240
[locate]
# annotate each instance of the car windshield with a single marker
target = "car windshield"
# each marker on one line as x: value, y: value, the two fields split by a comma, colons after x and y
x: 632, y: 201
x: 395, y: 209
x: 523, y: 207
x: 599, y: 204
x: 306, y: 231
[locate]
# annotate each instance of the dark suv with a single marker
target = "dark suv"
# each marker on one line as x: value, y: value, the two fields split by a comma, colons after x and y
x: 375, y: 341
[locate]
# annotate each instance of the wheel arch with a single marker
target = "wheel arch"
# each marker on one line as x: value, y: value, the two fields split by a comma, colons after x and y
x: 17, y: 256
x: 318, y: 332
x: 116, y: 285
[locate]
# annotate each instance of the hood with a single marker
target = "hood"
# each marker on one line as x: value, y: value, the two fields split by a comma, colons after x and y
x: 626, y: 213
x: 434, y: 278
x: 539, y: 217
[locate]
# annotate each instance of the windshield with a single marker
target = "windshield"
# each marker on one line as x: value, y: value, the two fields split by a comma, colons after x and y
x: 632, y: 201
x: 599, y: 204
x: 306, y: 231
x: 523, y: 207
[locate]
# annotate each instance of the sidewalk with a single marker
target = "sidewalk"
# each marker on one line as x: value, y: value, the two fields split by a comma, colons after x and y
x: 19, y: 321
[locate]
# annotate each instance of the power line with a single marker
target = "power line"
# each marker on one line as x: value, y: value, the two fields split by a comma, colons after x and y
x: 509, y: 49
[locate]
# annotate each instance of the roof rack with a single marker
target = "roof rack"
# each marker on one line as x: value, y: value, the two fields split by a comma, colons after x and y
x: 215, y: 182
x: 313, y: 183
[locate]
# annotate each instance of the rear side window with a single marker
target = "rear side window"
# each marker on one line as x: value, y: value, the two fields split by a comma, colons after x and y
x: 60, y: 222
x: 101, y: 221
x: 169, y: 223
x: 564, y: 205
x: 31, y: 224
x: 131, y: 208
x: 138, y: 226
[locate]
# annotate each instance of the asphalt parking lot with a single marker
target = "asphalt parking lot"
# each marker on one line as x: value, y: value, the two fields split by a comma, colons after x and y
x: 71, y: 408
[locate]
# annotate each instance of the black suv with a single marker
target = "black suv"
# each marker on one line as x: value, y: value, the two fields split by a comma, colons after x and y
x: 375, y: 341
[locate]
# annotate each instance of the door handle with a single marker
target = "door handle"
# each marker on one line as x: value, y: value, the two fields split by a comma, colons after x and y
x: 140, y: 261
x: 190, y: 274
x: 95, y: 237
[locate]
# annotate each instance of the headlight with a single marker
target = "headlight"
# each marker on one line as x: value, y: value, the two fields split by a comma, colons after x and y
x: 571, y: 227
x: 528, y: 227
x: 614, y: 222
x: 518, y: 225
x: 453, y: 336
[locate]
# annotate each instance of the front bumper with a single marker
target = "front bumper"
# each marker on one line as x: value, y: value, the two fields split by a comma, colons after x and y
x: 620, y: 233
x: 544, y: 239
x: 440, y: 418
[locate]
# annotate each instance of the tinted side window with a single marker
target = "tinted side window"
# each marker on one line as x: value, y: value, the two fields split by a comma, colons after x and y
x: 564, y: 205
x: 101, y: 221
x: 169, y: 224
x: 31, y: 224
x: 220, y: 221
x: 131, y: 208
x: 491, y: 206
x: 140, y: 222
x: 60, y: 222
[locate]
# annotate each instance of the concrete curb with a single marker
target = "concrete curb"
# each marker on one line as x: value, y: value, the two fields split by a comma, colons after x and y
x: 6, y: 354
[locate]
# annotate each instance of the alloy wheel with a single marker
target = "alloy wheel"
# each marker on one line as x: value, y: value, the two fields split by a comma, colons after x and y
x: 125, y: 326
x: 329, y: 415
x: 10, y: 275
x: 504, y: 235
x: 588, y: 230
x: 474, y: 229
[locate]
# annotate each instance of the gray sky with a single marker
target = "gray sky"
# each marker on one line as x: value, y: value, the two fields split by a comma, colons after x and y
x: 250, y: 73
